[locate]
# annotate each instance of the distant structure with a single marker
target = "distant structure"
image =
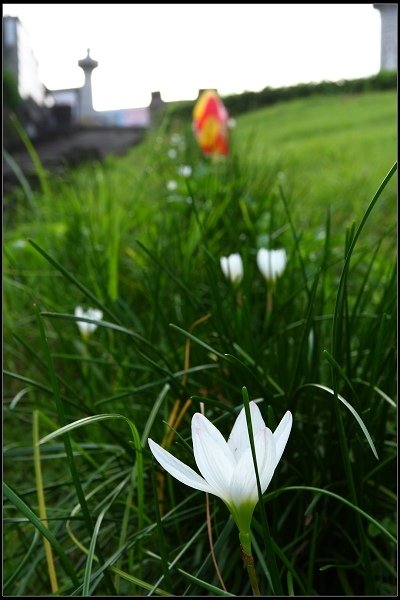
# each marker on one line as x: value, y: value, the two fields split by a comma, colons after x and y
x: 51, y: 109
x: 388, y: 36
x: 86, y: 108
x: 20, y: 60
x: 80, y: 102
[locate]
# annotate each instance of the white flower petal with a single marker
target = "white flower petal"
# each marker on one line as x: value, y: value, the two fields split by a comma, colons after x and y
x: 239, y: 438
x: 178, y: 469
x: 171, y: 185
x: 271, y: 263
x: 212, y: 454
x: 243, y: 488
x: 202, y: 421
x: 185, y: 170
x: 79, y: 311
x: 279, y: 261
x: 91, y: 313
x: 224, y: 265
x: 232, y: 267
x: 235, y: 267
x: 95, y: 314
x: 281, y: 434
x: 263, y: 262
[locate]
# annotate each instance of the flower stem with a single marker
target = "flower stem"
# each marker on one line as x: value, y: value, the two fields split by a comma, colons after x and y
x: 270, y: 294
x: 268, y: 308
x: 249, y: 563
x: 245, y: 548
x: 85, y: 365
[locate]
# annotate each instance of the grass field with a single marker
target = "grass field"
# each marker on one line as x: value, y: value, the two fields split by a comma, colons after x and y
x: 89, y: 511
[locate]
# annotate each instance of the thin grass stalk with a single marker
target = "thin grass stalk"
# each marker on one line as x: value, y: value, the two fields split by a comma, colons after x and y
x: 211, y: 543
x: 370, y: 584
x: 304, y: 336
x: 21, y: 179
x: 160, y: 535
x: 312, y: 553
x: 91, y: 556
x: 40, y: 171
x: 113, y: 253
x: 42, y: 503
x: 125, y: 523
x: 296, y: 241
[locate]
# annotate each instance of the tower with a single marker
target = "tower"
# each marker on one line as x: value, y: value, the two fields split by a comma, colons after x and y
x: 86, y: 101
x: 156, y: 108
x: 388, y: 35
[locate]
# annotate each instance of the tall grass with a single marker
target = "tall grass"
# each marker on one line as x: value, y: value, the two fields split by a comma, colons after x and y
x: 87, y: 511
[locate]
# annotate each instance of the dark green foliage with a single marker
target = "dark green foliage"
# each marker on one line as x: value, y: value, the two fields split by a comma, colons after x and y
x: 248, y: 101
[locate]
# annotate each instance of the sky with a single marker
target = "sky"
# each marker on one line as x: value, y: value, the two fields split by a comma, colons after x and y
x: 177, y: 49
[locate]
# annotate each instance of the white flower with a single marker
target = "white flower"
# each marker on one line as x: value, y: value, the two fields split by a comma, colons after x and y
x: 232, y: 267
x: 271, y: 263
x: 91, y: 313
x: 172, y: 153
x: 176, y: 139
x: 185, y: 170
x: 19, y: 244
x: 227, y: 467
x: 171, y: 185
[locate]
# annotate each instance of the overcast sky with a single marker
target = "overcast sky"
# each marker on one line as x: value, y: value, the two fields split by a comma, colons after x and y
x: 178, y: 48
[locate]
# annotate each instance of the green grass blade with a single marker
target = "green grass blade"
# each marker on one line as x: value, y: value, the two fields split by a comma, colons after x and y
x: 138, y: 582
x: 21, y: 178
x: 90, y: 556
x: 340, y: 297
x: 136, y: 442
x: 353, y: 506
x: 73, y: 280
x: 37, y: 163
x: 20, y: 505
x: 353, y: 412
x: 23, y: 562
x: 41, y: 502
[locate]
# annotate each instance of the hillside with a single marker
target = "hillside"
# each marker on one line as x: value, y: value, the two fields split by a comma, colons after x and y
x: 331, y: 150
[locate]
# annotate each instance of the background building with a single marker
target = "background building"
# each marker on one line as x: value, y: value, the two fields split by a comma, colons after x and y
x: 20, y: 60
x: 46, y: 110
x: 388, y: 36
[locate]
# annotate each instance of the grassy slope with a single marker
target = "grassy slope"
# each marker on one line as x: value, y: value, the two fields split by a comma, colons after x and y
x: 333, y: 150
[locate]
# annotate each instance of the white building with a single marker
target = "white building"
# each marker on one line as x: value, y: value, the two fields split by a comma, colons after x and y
x: 19, y: 58
x: 388, y: 36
